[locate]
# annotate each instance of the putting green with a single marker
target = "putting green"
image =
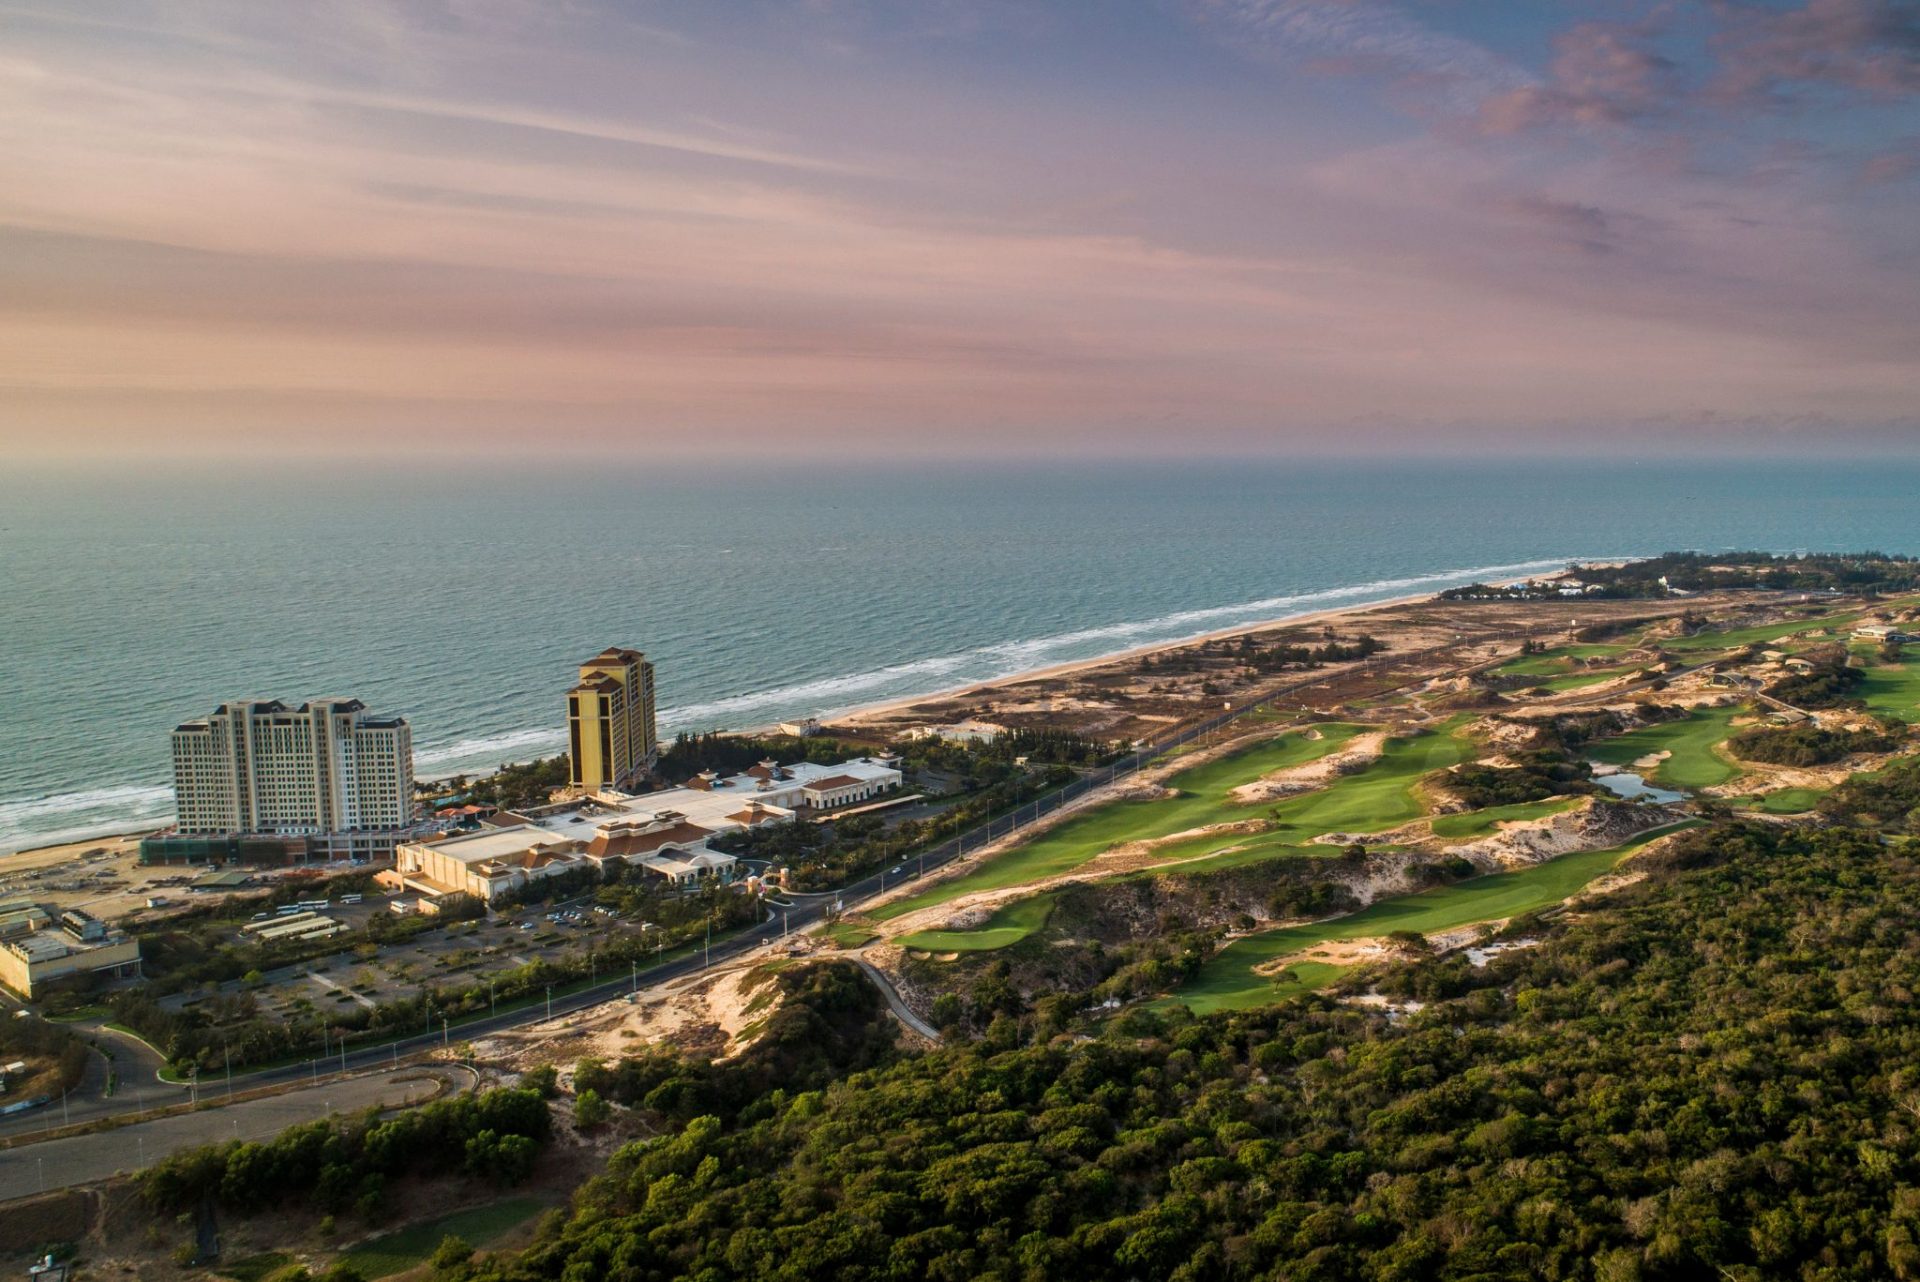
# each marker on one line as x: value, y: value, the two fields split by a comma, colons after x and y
x: 1202, y: 799
x: 1227, y: 981
x: 1691, y: 742
x: 1785, y: 801
x: 1481, y: 823
x: 1010, y: 925
x: 1557, y: 661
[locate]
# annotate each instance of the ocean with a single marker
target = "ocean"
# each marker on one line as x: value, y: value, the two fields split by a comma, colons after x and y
x: 461, y: 595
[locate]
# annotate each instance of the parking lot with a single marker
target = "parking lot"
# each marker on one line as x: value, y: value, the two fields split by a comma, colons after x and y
x: 367, y: 974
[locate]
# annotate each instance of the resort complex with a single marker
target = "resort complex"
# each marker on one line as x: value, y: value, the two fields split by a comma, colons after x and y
x: 664, y: 833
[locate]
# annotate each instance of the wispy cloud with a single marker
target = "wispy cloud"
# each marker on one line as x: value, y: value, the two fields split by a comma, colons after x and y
x: 1361, y: 35
x: 366, y: 222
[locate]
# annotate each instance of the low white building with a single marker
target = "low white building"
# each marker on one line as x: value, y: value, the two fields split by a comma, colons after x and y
x: 959, y: 732
x: 665, y: 833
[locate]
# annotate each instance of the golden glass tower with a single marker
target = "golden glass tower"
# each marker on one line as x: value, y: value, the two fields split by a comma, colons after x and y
x: 610, y: 720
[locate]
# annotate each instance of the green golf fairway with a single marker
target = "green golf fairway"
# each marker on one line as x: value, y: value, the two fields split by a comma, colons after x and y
x: 1578, y: 680
x: 1381, y: 796
x: 1691, y: 741
x: 1481, y: 823
x: 1893, y: 689
x: 1751, y: 636
x: 1787, y: 801
x: 1203, y: 799
x: 1378, y: 797
x: 1227, y: 981
x: 1010, y: 925
x: 1556, y: 661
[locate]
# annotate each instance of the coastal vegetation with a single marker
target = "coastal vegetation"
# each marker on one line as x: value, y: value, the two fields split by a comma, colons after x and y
x: 729, y: 754
x: 1295, y: 1030
x: 1535, y: 776
x: 1695, y: 572
x: 1475, y: 1136
x: 345, y: 1164
x: 514, y: 786
x: 1830, y: 681
x: 1888, y: 799
x: 1805, y: 744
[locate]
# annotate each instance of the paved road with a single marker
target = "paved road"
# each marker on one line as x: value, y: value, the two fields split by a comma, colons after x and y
x: 83, y: 1159
x: 901, y: 1011
x: 135, y: 1064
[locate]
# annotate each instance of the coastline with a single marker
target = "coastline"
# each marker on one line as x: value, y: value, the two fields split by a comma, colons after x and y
x: 861, y: 713
x: 857, y: 715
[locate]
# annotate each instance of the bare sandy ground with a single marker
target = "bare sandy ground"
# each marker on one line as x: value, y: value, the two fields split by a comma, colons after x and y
x: 1359, y: 753
x: 862, y: 714
x: 714, y: 1013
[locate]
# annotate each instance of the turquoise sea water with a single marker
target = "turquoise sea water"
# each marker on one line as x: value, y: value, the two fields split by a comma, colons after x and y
x: 461, y: 597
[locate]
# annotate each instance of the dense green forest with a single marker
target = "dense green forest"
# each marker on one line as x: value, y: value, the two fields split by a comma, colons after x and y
x: 1535, y: 776
x: 1713, y: 1073
x: 1806, y: 744
x: 345, y: 1163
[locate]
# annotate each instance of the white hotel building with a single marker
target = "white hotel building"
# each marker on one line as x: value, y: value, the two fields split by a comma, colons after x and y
x: 328, y: 771
x: 665, y: 833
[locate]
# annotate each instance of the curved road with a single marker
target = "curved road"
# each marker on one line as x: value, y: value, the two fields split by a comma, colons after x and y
x: 895, y: 1003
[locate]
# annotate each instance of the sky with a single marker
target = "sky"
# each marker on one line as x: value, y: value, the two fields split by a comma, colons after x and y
x: 820, y: 230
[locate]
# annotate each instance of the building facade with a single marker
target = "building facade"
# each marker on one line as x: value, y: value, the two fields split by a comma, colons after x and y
x: 33, y: 961
x: 610, y: 724
x: 325, y: 769
x: 661, y: 833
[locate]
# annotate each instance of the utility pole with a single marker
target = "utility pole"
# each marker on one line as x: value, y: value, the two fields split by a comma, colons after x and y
x: 549, y: 1001
x: 226, y: 1054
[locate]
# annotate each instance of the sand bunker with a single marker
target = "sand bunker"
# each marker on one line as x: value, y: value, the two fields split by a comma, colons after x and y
x: 1362, y: 752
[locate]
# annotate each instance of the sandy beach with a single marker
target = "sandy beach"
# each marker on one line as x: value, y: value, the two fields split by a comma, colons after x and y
x: 866, y: 712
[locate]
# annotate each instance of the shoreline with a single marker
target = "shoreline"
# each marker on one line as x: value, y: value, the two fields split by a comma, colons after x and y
x: 857, y: 713
x: 860, y: 712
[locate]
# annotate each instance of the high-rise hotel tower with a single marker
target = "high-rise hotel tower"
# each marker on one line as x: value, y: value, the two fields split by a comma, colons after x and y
x: 326, y: 767
x: 610, y: 721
